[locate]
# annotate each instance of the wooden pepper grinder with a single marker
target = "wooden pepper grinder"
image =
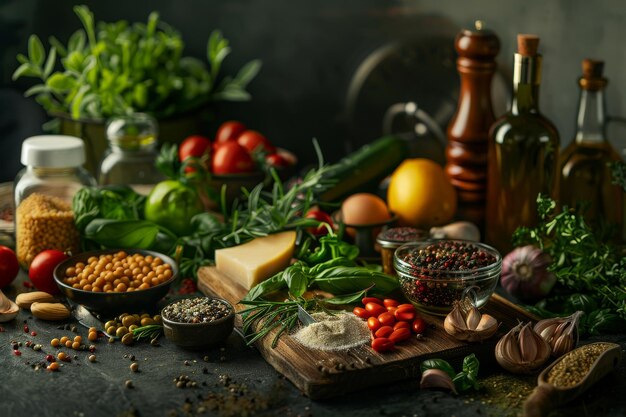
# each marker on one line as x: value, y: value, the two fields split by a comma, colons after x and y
x: 468, y: 132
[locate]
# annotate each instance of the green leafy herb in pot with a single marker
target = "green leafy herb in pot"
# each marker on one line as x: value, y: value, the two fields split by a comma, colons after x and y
x: 118, y: 68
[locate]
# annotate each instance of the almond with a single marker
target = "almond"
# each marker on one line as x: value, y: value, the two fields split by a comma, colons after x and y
x: 25, y: 300
x: 49, y: 311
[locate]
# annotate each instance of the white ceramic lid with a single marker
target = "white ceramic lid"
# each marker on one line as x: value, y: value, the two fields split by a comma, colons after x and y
x: 53, y: 151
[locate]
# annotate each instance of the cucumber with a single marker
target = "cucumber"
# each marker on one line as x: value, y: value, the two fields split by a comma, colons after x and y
x: 363, y: 170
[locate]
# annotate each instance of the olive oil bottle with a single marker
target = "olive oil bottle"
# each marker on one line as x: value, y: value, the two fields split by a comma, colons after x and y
x: 522, y: 153
x: 585, y: 175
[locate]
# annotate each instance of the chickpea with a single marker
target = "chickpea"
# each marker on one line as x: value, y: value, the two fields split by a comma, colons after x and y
x: 76, y: 346
x: 92, y: 329
x: 54, y: 366
x: 62, y: 356
x: 63, y: 340
x: 55, y: 342
x: 68, y: 344
x: 93, y: 336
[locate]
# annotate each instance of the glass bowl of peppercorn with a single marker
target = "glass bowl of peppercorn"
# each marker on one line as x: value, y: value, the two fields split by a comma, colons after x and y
x: 198, y: 322
x: 433, y: 274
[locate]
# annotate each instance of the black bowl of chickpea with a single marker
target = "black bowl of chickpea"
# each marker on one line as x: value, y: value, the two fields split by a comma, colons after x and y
x: 114, y: 281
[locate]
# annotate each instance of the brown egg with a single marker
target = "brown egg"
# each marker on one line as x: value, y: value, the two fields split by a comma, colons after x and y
x: 363, y: 209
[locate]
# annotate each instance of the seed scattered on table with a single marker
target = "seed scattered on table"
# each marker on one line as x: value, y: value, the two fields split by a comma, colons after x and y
x: 92, y: 358
x: 134, y: 367
x: 197, y: 310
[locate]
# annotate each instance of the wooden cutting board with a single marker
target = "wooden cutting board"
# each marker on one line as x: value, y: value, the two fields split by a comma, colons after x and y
x: 321, y: 374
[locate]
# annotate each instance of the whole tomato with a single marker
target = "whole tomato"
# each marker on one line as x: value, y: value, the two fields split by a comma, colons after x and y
x: 277, y: 160
x: 321, y: 217
x: 229, y: 131
x: 9, y: 266
x: 231, y: 158
x: 42, y: 268
x: 195, y: 146
x: 251, y: 140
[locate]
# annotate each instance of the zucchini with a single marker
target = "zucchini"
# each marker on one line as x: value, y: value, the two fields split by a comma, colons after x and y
x: 363, y: 170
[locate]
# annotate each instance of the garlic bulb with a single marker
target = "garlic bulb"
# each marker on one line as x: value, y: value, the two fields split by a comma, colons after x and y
x: 436, y: 378
x: 522, y: 350
x: 469, y: 324
x: 8, y: 309
x: 525, y: 273
x: 457, y: 230
x: 561, y: 333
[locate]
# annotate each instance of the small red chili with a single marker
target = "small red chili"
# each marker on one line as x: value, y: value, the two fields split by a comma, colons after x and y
x: 373, y: 324
x: 390, y: 302
x: 382, y: 344
x: 392, y: 309
x: 402, y: 325
x: 405, y: 313
x: 371, y: 300
x: 387, y: 319
x: 400, y: 335
x: 361, y: 312
x: 384, y: 331
x: 419, y: 325
x: 375, y: 309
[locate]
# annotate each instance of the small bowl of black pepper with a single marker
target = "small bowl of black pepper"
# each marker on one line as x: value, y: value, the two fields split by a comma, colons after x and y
x: 198, y: 322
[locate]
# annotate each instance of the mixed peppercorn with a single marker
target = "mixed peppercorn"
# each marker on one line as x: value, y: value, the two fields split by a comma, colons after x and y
x: 197, y: 310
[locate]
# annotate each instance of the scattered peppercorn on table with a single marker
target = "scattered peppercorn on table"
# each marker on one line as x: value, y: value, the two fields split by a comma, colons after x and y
x: 228, y: 380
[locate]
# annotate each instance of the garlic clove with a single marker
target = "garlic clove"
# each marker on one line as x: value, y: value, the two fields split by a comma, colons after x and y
x: 487, y: 323
x: 563, y: 330
x: 458, y: 230
x: 8, y: 309
x: 473, y: 318
x: 528, y: 345
x: 562, y: 345
x: 522, y: 350
x: 454, y: 322
x: 472, y: 326
x: 436, y: 378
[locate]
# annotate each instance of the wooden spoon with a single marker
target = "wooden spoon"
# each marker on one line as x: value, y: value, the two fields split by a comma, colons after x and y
x: 547, y: 396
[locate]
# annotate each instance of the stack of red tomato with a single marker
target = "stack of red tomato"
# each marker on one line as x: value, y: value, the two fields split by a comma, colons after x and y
x: 232, y: 151
x: 389, y: 321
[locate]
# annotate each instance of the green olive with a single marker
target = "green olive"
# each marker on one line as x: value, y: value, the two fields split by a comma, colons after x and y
x: 147, y: 321
x: 129, y: 320
x: 157, y: 319
x: 111, y: 329
x: 128, y: 339
x: 121, y: 331
x: 109, y: 324
x: 132, y: 327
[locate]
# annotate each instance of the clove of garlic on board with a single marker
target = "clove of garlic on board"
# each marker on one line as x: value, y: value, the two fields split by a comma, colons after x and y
x: 522, y: 350
x: 436, y: 378
x: 458, y: 230
x: 469, y: 324
x: 8, y: 309
x: 561, y: 333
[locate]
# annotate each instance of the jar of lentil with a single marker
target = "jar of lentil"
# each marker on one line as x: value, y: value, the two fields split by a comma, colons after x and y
x: 391, y: 239
x: 131, y: 156
x: 44, y: 192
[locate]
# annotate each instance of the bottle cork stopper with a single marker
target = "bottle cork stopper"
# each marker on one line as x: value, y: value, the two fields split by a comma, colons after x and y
x: 527, y: 44
x: 592, y: 68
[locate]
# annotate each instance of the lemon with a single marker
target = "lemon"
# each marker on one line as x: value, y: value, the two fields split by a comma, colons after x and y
x: 421, y: 194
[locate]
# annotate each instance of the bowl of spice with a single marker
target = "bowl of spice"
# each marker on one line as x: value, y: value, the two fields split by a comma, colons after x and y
x: 433, y: 274
x: 198, y: 322
x: 391, y: 239
x: 114, y: 281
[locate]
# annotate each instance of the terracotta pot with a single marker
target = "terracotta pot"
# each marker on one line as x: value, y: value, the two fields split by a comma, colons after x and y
x: 92, y: 131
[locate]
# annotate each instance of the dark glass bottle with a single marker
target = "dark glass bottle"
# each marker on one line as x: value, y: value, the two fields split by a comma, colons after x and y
x: 523, y: 153
x: 585, y: 175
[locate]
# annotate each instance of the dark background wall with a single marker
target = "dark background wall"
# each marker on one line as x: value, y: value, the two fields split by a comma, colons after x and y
x: 311, y: 50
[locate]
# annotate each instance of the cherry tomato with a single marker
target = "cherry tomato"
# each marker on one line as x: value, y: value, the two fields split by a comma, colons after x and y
x: 277, y: 160
x: 382, y: 345
x: 195, y: 146
x: 392, y: 309
x: 402, y: 325
x: 231, y: 158
x: 229, y: 131
x: 42, y: 268
x: 418, y: 326
x: 384, y: 331
x: 405, y: 313
x: 389, y: 302
x: 375, y: 309
x: 374, y: 300
x: 387, y: 319
x: 9, y: 267
x: 373, y: 324
x: 322, y: 230
x: 252, y: 140
x: 361, y: 312
x: 406, y: 306
x: 399, y: 335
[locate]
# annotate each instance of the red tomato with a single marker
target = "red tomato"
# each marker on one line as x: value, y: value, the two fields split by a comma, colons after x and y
x: 389, y: 302
x: 387, y: 319
x: 42, y: 268
x: 231, y: 158
x: 375, y: 309
x: 9, y: 266
x: 374, y: 300
x: 418, y: 326
x: 384, y: 331
x: 229, y: 131
x: 402, y: 325
x: 382, y: 345
x: 392, y: 309
x: 195, y: 146
x: 322, y: 230
x: 400, y: 335
x: 277, y: 160
x: 405, y: 313
x: 251, y: 140
x: 361, y: 312
x: 373, y: 324
x: 407, y: 306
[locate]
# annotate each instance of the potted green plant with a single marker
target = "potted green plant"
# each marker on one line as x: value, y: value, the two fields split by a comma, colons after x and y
x: 111, y: 69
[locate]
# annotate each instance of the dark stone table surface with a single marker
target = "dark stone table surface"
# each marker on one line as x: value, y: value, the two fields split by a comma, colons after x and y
x: 234, y: 380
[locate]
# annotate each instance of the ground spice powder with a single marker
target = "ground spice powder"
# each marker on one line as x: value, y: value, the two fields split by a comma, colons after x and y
x: 575, y: 365
x: 334, y: 332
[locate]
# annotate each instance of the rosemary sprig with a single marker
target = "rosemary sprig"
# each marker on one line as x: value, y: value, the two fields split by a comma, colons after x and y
x: 149, y: 332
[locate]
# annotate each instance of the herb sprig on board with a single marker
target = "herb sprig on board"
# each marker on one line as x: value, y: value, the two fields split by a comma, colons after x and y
x: 584, y: 264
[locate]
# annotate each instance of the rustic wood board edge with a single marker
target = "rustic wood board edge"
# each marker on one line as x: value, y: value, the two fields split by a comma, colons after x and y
x: 339, y: 373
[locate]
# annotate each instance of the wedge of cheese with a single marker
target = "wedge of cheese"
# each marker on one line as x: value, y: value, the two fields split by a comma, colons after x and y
x: 257, y: 260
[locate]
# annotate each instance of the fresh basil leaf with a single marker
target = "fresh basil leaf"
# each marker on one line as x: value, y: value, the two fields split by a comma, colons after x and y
x: 296, y: 280
x: 348, y: 298
x: 470, y: 365
x: 438, y: 364
x: 344, y: 280
x: 274, y: 284
x: 140, y: 234
x: 36, y: 52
